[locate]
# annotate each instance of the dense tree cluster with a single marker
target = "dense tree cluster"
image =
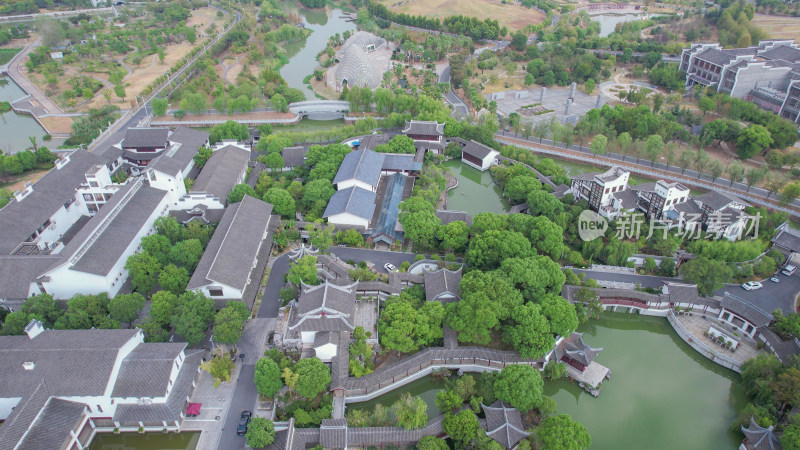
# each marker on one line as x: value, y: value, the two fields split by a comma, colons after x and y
x: 463, y: 25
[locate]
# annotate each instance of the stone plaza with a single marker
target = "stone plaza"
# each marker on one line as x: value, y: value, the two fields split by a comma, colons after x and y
x: 564, y: 104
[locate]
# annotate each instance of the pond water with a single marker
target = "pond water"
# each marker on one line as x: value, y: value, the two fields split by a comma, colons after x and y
x: 424, y: 388
x: 303, y: 55
x: 476, y: 191
x: 609, y: 21
x: 662, y: 393
x: 147, y: 441
x: 16, y: 128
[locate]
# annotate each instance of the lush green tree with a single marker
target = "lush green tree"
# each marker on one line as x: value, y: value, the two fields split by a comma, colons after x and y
x: 448, y: 401
x: 239, y: 191
x: 260, y: 432
x: 474, y: 318
x: 554, y: 370
x: 547, y: 237
x: 420, y: 226
x: 461, y: 427
x: 404, y: 328
x: 317, y: 192
x: 174, y: 279
x: 321, y: 235
x: 268, y: 377
x: 530, y: 332
x: 168, y: 226
x: 159, y: 106
x: 219, y: 367
x: 790, y: 439
x: 489, y: 249
x: 518, y: 188
x: 454, y: 235
x: 313, y: 377
x: 229, y: 322
x: 486, y: 221
x: 520, y: 386
x: 43, y: 308
x: 162, y: 307
x: 752, y: 140
x: 186, y: 254
x: 560, y: 314
x: 599, y: 144
x: 229, y: 130
x: 561, y: 432
x: 709, y: 275
x: 411, y: 412
x: 15, y: 323
x: 398, y: 144
x: 143, y: 272
x: 534, y: 276
x: 541, y: 203
x: 432, y: 443
x: 667, y: 267
x: 350, y: 237
x: 158, y: 246
x: 789, y: 193
x: 193, y: 313
x: 282, y: 201
x: 126, y: 307
x: 153, y: 331
x: 304, y: 270
x: 279, y: 103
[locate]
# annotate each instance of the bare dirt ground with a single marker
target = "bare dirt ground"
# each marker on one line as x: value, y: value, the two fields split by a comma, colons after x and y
x: 779, y: 27
x: 55, y: 124
x: 512, y: 15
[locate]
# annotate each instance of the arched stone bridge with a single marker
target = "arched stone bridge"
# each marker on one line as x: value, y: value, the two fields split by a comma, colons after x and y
x: 325, y: 107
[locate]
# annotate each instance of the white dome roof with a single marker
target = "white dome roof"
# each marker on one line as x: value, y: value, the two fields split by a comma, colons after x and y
x: 362, y: 39
x: 355, y: 68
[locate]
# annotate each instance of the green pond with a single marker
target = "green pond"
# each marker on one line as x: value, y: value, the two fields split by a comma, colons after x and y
x: 147, y: 441
x: 476, y: 191
x: 662, y: 393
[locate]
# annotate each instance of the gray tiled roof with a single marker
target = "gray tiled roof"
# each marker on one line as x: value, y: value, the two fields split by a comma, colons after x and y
x: 333, y: 433
x: 760, y: 438
x: 326, y: 307
x: 447, y: 216
x: 107, y: 248
x: 222, y: 172
x: 294, y: 156
x: 363, y: 165
x: 18, y: 220
x: 396, y: 161
x: 441, y: 282
x: 53, y: 425
x: 174, y: 406
x: 230, y: 254
x: 422, y: 127
x: 354, y: 200
x: 145, y: 371
x: 166, y: 165
x: 504, y: 424
x: 574, y: 347
x: 628, y: 198
x: 477, y: 150
x: 644, y: 187
x: 682, y: 293
x: 745, y: 310
x: 688, y: 207
x: 782, y: 52
x: 70, y: 362
x: 145, y: 137
x: 715, y: 56
x: 788, y: 238
x: 18, y: 272
x: 23, y: 415
x: 718, y: 199
x: 190, y: 141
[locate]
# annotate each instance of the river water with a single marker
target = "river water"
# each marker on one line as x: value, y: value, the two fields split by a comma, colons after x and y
x: 476, y: 191
x: 16, y: 128
x: 609, y: 21
x: 303, y: 55
x: 662, y: 394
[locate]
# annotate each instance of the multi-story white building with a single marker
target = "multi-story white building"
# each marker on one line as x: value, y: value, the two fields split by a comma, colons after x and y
x: 767, y: 74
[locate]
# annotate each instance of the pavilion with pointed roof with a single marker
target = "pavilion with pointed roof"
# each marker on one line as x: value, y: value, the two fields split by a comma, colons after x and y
x: 757, y: 437
x: 573, y: 351
x: 504, y: 424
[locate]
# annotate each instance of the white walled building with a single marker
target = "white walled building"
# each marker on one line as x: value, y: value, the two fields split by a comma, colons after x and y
x: 60, y: 387
x: 320, y: 314
x: 479, y: 156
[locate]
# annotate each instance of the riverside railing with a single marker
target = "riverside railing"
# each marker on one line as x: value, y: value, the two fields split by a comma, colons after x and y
x: 707, y: 351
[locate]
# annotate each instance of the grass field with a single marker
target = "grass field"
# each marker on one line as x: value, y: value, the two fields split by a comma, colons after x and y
x: 511, y: 15
x: 779, y: 27
x: 7, y: 53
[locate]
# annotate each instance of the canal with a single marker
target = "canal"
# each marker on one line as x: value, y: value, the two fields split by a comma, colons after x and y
x: 16, y: 128
x: 476, y: 191
x: 662, y: 393
x: 303, y: 54
x: 147, y: 441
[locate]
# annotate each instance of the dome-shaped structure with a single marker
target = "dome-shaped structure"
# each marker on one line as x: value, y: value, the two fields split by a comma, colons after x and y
x: 354, y: 69
x: 363, y: 40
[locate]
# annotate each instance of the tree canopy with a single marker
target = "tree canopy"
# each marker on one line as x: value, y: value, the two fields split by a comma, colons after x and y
x: 520, y: 386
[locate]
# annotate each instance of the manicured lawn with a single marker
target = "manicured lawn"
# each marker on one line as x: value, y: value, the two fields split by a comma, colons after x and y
x: 7, y: 53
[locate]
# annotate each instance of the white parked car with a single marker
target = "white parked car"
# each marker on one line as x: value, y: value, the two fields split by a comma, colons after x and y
x: 390, y: 267
x: 751, y: 286
x: 788, y: 270
x: 775, y: 279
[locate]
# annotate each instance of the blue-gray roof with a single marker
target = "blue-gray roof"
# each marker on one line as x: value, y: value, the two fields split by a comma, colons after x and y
x: 354, y: 200
x: 400, y: 162
x: 387, y: 219
x: 362, y: 165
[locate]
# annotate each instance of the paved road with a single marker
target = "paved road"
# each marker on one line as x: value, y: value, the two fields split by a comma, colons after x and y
x: 45, y: 106
x: 769, y: 298
x: 244, y: 397
x: 460, y: 110
x: 271, y: 302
